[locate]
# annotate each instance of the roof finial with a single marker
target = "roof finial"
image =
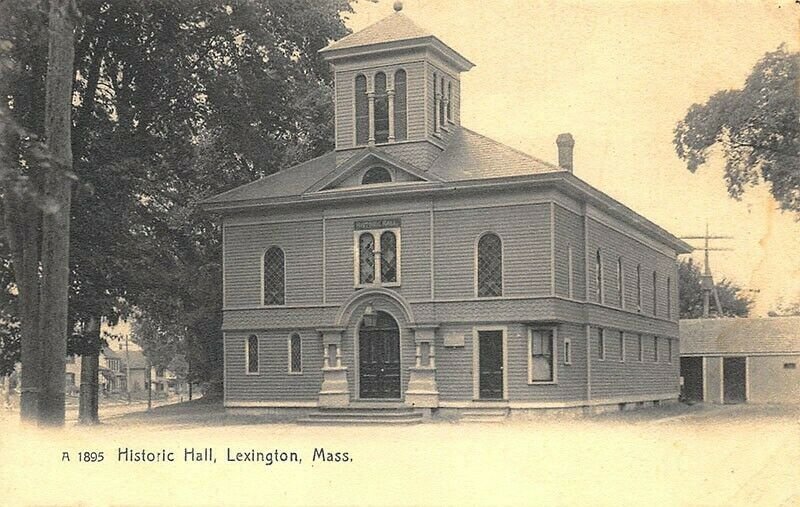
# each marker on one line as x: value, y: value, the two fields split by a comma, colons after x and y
x: 398, y: 6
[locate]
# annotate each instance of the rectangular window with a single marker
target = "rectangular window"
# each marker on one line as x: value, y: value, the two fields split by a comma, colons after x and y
x: 641, y: 348
x: 251, y: 354
x: 295, y: 353
x: 601, y: 347
x: 621, y: 346
x: 669, y: 350
x: 542, y: 352
x: 567, y: 351
x: 789, y: 366
x: 620, y: 283
x: 376, y: 257
x: 655, y: 349
x: 669, y: 298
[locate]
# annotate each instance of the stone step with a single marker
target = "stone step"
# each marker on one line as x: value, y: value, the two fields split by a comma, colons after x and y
x: 364, y: 413
x: 322, y: 421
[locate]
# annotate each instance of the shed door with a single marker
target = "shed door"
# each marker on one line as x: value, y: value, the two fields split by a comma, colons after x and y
x: 692, y: 373
x: 490, y: 360
x: 734, y: 376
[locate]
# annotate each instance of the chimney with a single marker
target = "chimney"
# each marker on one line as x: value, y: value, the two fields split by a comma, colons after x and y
x: 565, y: 143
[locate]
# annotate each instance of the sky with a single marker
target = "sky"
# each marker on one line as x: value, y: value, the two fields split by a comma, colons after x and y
x: 619, y: 76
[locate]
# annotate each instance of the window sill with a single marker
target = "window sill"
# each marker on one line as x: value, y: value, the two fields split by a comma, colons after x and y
x: 274, y: 306
x: 294, y: 373
x: 377, y: 285
x: 252, y: 373
x: 542, y: 382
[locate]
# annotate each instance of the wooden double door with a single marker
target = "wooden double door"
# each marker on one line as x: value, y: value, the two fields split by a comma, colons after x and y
x: 379, y: 359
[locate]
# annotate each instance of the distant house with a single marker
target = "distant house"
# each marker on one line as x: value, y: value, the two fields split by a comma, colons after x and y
x: 740, y: 360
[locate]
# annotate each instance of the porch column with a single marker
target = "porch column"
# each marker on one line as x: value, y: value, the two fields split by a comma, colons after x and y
x: 334, y: 391
x: 422, y: 390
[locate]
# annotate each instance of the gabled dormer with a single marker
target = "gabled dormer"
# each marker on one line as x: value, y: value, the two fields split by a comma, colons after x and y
x: 371, y: 167
x: 397, y: 87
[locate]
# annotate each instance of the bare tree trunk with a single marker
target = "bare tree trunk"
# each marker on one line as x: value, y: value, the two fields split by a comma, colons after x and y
x: 90, y: 366
x: 55, y: 224
x: 22, y: 219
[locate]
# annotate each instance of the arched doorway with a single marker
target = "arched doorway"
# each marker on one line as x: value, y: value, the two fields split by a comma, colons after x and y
x: 379, y: 358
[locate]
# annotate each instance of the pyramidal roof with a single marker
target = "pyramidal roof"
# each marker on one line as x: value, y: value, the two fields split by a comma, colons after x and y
x: 395, y: 27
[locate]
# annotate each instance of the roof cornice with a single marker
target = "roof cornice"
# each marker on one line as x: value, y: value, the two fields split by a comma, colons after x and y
x: 562, y: 180
x: 426, y: 42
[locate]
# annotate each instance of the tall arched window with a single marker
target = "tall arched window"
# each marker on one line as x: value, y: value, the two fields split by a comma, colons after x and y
x: 400, y: 101
x: 381, y: 109
x: 620, y: 283
x: 435, y: 102
x: 639, y: 287
x: 295, y: 353
x: 376, y: 175
x: 490, y: 266
x: 366, y: 258
x: 570, y: 273
x: 598, y: 276
x: 274, y: 277
x: 251, y: 353
x: 655, y: 293
x: 669, y: 298
x: 388, y: 257
x: 441, y: 103
x: 449, y: 101
x: 362, y: 110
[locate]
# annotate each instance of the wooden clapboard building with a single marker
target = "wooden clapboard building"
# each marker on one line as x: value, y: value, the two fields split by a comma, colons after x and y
x: 423, y: 265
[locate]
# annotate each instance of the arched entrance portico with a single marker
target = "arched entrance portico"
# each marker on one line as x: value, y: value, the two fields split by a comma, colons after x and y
x: 379, y: 373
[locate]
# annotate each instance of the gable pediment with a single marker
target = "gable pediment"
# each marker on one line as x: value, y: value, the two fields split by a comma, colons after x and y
x: 371, y: 167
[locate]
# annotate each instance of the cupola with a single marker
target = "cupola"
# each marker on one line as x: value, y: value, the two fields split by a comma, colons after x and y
x: 396, y: 84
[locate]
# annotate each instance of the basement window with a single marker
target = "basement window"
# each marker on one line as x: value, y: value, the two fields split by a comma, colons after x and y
x: 789, y: 366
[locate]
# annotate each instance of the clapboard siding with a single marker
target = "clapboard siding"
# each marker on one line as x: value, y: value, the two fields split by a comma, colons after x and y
x: 345, y: 108
x: 571, y: 379
x: 613, y: 378
x: 414, y: 256
x: 455, y: 370
x: 273, y: 381
x: 569, y: 235
x: 454, y: 364
x: 244, y: 251
x: 614, y: 245
x: 525, y: 233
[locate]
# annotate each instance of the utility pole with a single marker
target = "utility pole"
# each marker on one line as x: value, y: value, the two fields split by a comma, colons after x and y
x: 706, y: 279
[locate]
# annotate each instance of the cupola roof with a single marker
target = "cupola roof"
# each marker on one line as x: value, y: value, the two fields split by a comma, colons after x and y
x: 395, y: 31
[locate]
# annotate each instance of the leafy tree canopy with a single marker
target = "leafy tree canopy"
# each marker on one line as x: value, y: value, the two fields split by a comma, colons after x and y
x: 757, y: 130
x: 174, y: 101
x: 735, y: 303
